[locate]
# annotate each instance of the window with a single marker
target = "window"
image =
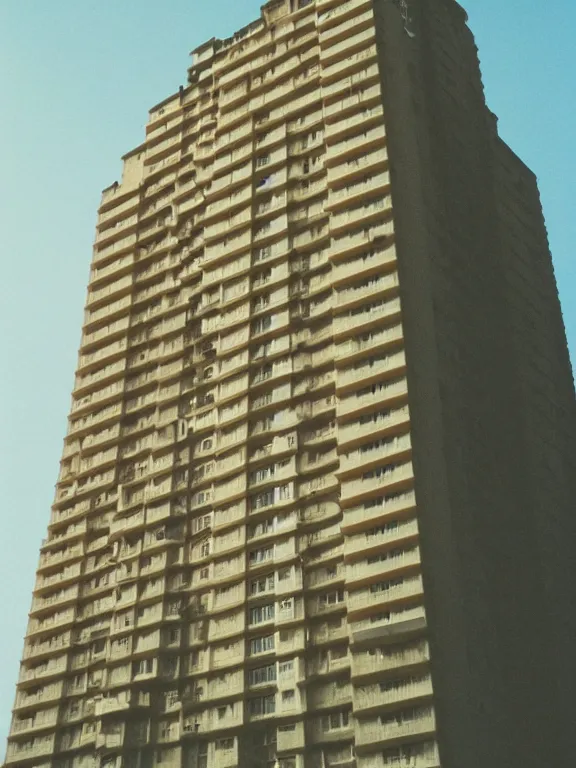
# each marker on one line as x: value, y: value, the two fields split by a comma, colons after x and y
x: 224, y: 744
x: 262, y: 160
x: 262, y: 500
x: 335, y: 721
x: 221, y: 713
x: 262, y: 675
x: 173, y: 636
x: 261, y: 555
x: 264, y: 584
x: 207, y: 444
x: 378, y: 472
x: 264, y: 182
x: 264, y: 373
x: 261, y: 302
x: 263, y: 253
x: 261, y: 529
x: 384, y: 586
x: 262, y: 324
x: 265, y: 705
x: 287, y: 728
x: 204, y: 573
x: 262, y: 613
x: 380, y: 501
x: 374, y: 417
x: 284, y: 573
x: 265, y: 473
x: 286, y: 605
x: 284, y: 492
x: 201, y: 523
x: 260, y: 278
x: 285, y: 667
x: 261, y: 644
x: 205, y: 549
x: 262, y: 229
x: 390, y: 555
x: 331, y: 598
x: 338, y: 652
x: 143, y: 667
x: 288, y: 696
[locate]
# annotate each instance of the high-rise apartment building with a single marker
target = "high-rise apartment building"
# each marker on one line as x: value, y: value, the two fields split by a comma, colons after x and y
x: 316, y: 499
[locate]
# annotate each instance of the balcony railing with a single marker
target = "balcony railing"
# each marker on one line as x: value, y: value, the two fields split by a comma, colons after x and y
x: 380, y: 660
x: 403, y: 725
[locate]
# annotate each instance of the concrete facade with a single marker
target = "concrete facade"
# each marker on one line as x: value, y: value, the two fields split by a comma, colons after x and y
x: 315, y: 506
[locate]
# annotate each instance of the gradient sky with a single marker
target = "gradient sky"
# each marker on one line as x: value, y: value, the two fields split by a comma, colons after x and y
x: 76, y: 80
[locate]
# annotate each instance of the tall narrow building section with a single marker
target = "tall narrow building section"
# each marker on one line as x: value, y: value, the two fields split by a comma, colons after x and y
x: 315, y: 506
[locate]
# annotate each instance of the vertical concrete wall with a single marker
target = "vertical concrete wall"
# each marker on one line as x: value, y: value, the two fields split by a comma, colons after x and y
x: 491, y: 398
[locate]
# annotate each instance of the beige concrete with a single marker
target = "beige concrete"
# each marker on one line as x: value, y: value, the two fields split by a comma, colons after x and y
x: 235, y: 574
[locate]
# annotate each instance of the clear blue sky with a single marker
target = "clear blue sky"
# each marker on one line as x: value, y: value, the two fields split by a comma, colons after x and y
x: 76, y: 80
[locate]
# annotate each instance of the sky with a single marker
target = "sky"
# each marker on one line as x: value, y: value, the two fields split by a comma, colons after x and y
x: 77, y: 78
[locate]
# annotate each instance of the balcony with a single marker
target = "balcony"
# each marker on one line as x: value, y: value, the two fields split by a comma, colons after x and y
x: 373, y: 261
x: 372, y: 341
x: 222, y: 205
x: 322, y: 511
x: 43, y: 719
x: 318, y: 734
x: 48, y: 647
x: 331, y: 16
x: 326, y: 695
x: 349, y: 43
x: 357, y: 152
x: 372, y: 425
x: 329, y: 631
x: 364, y: 290
x: 324, y: 577
x: 390, y: 693
x: 350, y: 124
x: 371, y: 454
x: 392, y: 562
x: 367, y: 316
x: 394, y: 590
x: 118, y: 209
x: 48, y: 693
x: 50, y: 559
x: 42, y: 603
x: 115, y: 328
x: 290, y: 737
x: 121, y: 286
x: 54, y: 667
x: 410, y: 755
x: 404, y: 725
x: 19, y: 751
x: 385, y: 479
x: 358, y: 71
x: 118, y: 246
x: 377, y: 512
x: 358, y: 239
x: 233, y: 221
x: 370, y: 398
x: 361, y: 214
x: 350, y: 106
x: 379, y: 661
